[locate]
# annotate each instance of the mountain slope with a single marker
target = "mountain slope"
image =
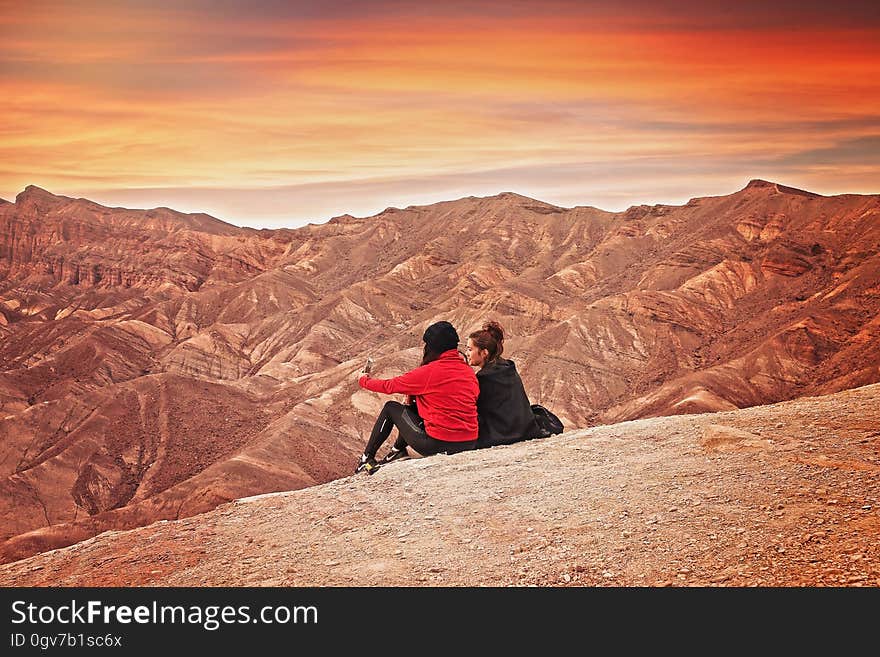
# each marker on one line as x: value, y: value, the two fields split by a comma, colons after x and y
x: 155, y: 364
x: 779, y: 495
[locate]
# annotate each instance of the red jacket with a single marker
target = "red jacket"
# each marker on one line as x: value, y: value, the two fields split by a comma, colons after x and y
x: 446, y: 393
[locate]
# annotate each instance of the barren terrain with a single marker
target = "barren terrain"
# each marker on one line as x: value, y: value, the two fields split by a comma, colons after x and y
x: 156, y: 364
x: 779, y: 495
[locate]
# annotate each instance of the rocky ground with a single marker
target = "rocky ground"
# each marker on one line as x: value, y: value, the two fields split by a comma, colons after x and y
x: 779, y: 495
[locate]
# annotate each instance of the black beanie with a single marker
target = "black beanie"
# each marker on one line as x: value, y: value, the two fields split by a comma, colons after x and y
x: 440, y: 337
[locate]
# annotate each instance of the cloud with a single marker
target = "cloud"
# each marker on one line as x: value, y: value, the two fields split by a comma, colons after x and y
x: 609, y: 185
x: 349, y: 107
x: 861, y: 151
x: 691, y: 13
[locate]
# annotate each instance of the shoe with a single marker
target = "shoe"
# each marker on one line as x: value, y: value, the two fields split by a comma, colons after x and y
x: 366, y: 464
x: 393, y: 455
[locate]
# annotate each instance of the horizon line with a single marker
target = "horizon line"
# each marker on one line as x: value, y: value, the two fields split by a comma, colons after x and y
x: 268, y: 190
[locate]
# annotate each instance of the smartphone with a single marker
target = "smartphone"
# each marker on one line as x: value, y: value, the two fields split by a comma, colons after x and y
x: 368, y: 366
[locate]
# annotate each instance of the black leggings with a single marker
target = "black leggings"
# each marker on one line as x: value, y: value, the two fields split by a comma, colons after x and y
x: 410, y: 432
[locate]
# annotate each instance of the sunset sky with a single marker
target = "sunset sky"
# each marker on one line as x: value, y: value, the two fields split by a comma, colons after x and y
x: 274, y: 114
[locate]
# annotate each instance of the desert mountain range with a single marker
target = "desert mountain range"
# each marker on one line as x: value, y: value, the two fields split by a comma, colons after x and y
x: 155, y: 364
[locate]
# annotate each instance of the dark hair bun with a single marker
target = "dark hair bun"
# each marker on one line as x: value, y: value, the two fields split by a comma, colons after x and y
x: 495, y: 330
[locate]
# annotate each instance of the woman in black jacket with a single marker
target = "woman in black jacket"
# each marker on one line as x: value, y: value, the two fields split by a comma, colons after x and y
x: 503, y: 410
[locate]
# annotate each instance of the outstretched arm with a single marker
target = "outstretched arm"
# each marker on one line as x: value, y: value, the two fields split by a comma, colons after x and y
x: 414, y: 382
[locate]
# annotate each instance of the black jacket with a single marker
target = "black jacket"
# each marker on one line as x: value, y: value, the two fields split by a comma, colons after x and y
x: 503, y: 410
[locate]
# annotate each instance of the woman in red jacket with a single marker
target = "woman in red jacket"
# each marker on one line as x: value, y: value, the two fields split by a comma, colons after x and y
x: 444, y: 418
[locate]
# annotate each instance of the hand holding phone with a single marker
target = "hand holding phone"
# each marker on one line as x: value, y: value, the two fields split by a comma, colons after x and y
x: 368, y: 366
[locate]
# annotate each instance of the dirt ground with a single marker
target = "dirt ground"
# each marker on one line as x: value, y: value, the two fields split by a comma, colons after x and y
x: 779, y: 495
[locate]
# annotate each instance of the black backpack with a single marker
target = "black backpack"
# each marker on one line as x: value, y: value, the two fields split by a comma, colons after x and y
x: 547, y: 422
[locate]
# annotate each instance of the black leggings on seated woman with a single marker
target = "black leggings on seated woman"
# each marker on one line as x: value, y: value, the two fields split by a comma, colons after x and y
x: 410, y: 432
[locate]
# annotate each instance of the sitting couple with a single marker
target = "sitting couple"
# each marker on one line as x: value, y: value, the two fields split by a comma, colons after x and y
x: 453, y: 409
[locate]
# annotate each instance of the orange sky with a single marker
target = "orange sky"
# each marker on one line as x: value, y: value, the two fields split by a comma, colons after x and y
x: 277, y: 113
